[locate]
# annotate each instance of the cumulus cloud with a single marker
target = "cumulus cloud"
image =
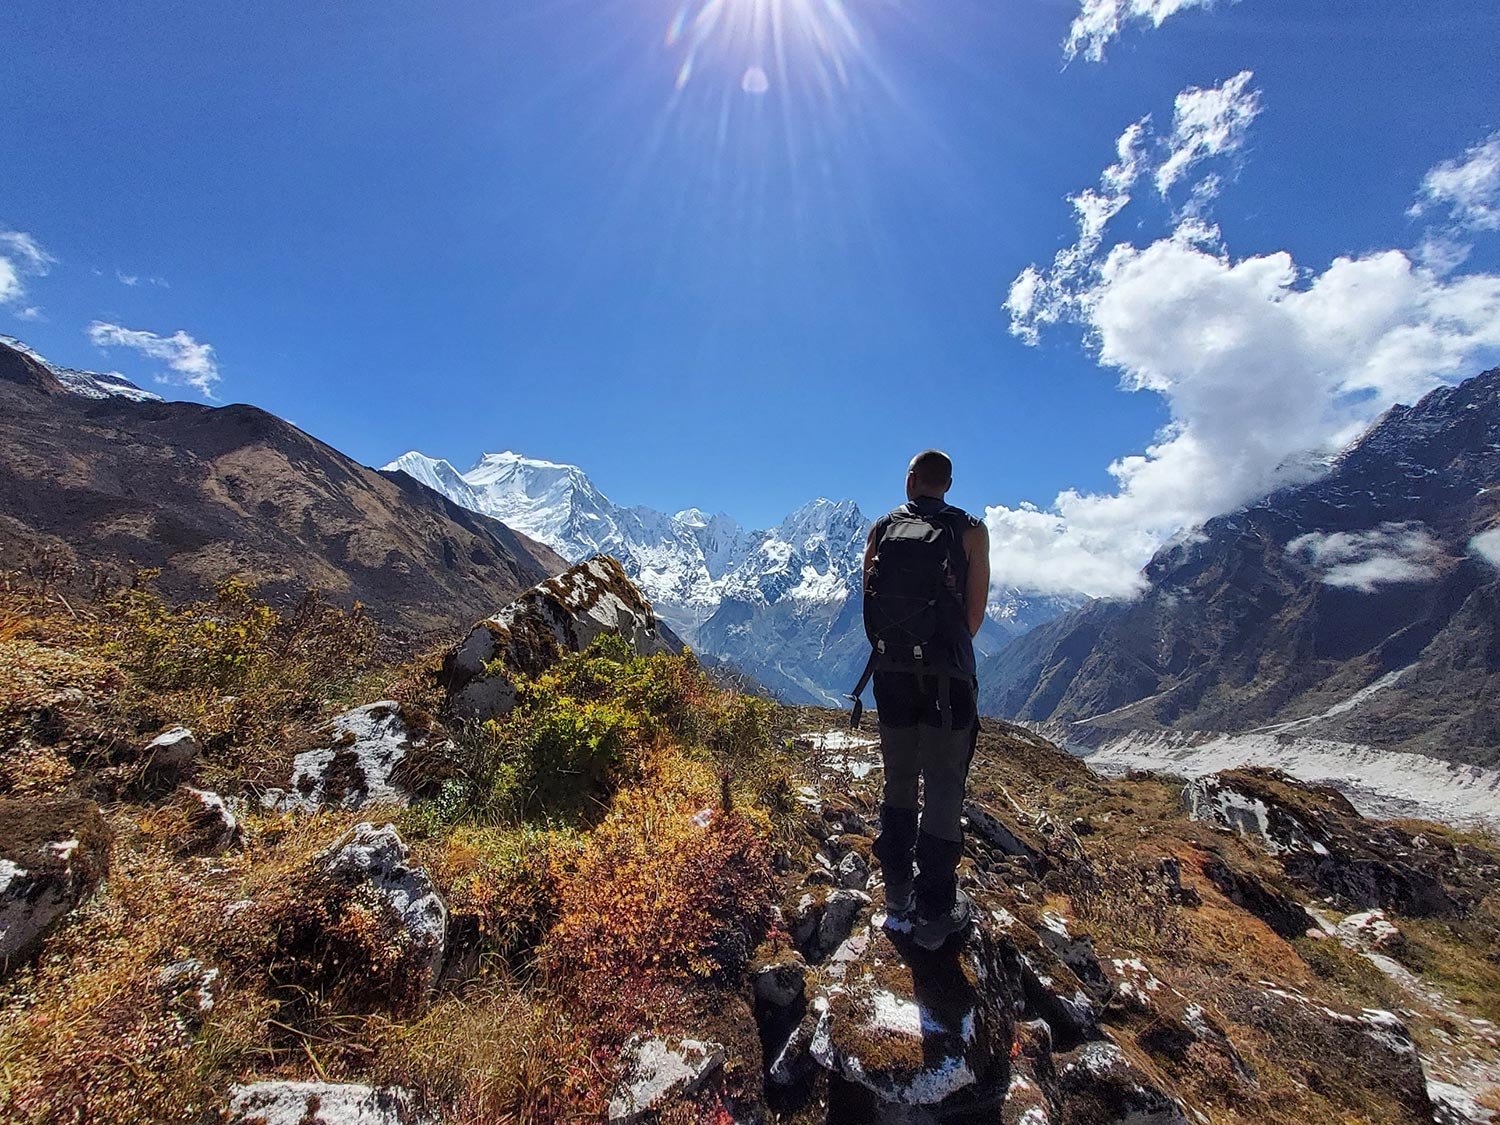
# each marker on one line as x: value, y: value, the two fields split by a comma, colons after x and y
x: 1487, y: 546
x: 1099, y: 21
x: 21, y: 256
x: 1387, y: 555
x: 189, y: 362
x: 1467, y: 189
x: 1266, y: 369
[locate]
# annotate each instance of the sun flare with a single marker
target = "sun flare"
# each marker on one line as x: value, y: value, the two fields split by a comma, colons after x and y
x: 765, y: 45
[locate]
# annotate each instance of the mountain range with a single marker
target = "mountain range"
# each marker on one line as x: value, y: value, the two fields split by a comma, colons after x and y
x: 780, y: 604
x: 1362, y: 607
x: 102, y: 475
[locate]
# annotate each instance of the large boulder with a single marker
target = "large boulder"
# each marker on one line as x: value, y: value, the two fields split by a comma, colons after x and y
x: 561, y: 615
x: 912, y: 1028
x: 354, y: 760
x: 53, y: 852
x: 322, y: 1103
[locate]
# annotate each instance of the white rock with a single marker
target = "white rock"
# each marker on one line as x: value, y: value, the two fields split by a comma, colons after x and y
x: 353, y: 768
x: 656, y: 1073
x: 322, y: 1103
x: 1369, y: 930
x: 376, y: 857
x: 171, y: 754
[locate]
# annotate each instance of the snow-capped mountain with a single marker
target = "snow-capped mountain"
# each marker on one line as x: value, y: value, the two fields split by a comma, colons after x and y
x: 781, y: 604
x: 89, y: 384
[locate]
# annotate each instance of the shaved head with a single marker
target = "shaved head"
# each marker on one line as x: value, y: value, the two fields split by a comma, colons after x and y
x: 930, y: 472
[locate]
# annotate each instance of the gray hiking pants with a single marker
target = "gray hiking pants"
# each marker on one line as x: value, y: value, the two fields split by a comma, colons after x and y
x: 937, y: 757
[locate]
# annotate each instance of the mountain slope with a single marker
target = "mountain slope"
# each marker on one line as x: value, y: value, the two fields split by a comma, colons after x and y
x: 89, y: 384
x: 781, y: 604
x: 1360, y: 607
x: 203, y: 493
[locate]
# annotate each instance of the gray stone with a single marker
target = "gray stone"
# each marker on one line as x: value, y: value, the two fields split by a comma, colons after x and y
x: 781, y: 983
x: 376, y: 858
x: 323, y: 1103
x: 656, y: 1073
x: 169, y: 757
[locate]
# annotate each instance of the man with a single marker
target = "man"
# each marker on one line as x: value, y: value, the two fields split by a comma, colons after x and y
x: 927, y: 577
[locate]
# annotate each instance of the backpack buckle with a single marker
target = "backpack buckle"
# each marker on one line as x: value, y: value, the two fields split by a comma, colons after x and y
x: 880, y: 647
x: 916, y: 651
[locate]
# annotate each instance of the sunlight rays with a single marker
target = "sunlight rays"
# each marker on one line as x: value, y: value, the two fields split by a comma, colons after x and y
x: 762, y: 45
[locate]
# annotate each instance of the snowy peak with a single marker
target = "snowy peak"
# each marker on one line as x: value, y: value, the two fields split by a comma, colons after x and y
x: 87, y: 384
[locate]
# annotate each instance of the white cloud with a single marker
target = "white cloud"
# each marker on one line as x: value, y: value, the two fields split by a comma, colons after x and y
x: 1265, y: 368
x: 21, y: 256
x: 1487, y: 546
x: 1387, y: 555
x: 1099, y: 21
x: 127, y: 278
x: 1206, y: 123
x: 30, y: 312
x: 1468, y: 189
x: 189, y: 362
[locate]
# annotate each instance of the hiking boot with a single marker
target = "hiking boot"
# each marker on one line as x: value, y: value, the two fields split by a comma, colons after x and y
x: 933, y: 933
x: 900, y: 909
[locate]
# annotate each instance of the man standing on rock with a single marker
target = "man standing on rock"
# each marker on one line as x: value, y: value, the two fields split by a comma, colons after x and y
x: 926, y: 581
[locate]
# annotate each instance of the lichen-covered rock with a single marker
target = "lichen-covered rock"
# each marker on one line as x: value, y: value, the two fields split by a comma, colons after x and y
x: 323, y: 1103
x: 558, y: 616
x: 1371, y: 931
x: 53, y: 852
x: 656, y: 1072
x: 1165, y: 1022
x: 1097, y: 1083
x: 190, y: 990
x: 373, y: 861
x: 913, y: 1028
x: 212, y: 827
x: 353, y: 763
x: 1322, y: 842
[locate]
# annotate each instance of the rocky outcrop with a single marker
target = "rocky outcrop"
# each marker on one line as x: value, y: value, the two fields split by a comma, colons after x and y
x: 190, y: 990
x: 1373, y: 1047
x: 561, y: 615
x: 53, y: 852
x: 355, y: 761
x: 323, y: 1103
x: 1323, y: 843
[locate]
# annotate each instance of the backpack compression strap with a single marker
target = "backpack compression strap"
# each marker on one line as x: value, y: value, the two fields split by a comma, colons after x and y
x: 859, y: 690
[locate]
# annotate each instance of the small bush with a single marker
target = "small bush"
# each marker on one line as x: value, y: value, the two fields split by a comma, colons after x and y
x: 234, y: 669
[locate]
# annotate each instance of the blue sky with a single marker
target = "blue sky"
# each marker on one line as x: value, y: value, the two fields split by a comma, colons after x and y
x: 467, y: 226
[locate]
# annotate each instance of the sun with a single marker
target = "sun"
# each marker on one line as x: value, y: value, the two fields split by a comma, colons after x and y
x: 764, y: 46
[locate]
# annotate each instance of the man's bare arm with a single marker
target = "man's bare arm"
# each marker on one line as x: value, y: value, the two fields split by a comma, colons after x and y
x: 977, y: 596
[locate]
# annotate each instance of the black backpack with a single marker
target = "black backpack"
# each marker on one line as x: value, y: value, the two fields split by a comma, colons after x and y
x: 914, y: 596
